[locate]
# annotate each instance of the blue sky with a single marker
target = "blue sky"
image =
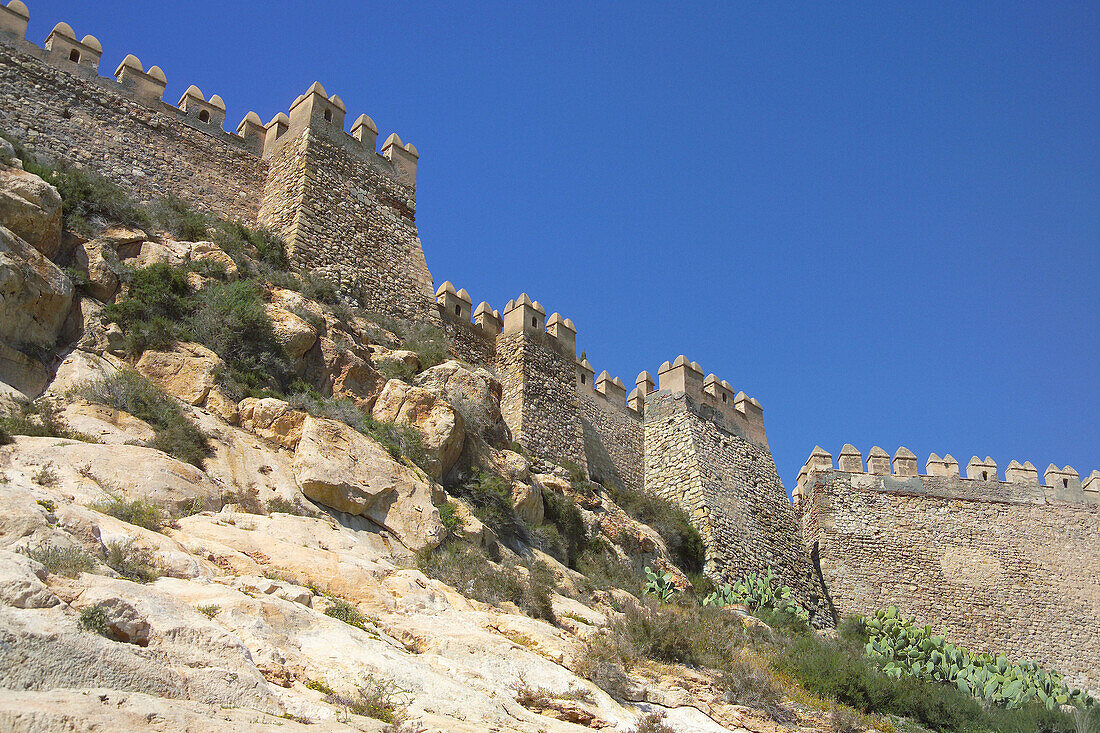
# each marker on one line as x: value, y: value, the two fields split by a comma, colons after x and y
x: 880, y: 219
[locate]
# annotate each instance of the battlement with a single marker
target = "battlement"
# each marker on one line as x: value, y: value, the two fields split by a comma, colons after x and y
x: 1021, y: 481
x: 736, y: 409
x: 315, y: 109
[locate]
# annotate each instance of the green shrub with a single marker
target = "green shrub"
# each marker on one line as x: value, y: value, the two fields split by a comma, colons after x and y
x: 490, y: 498
x: 602, y: 569
x: 95, y: 619
x: 156, y: 308
x: 469, y: 571
x: 320, y: 686
x: 138, y: 512
x: 89, y: 199
x: 654, y: 723
x: 237, y: 239
x: 230, y: 319
x: 379, y: 699
x: 37, y: 419
x: 177, y: 218
x: 210, y: 611
x: 130, y: 392
x: 132, y: 563
x: 341, y: 610
x: 685, y: 544
x: 448, y: 516
x: 286, y: 506
x: 562, y: 513
x: 46, y: 504
x: 750, y: 683
x: 68, y: 561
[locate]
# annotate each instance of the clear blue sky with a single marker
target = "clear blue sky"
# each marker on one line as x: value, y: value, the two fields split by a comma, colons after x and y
x: 880, y: 219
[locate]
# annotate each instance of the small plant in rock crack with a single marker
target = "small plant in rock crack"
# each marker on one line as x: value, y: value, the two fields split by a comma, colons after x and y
x: 94, y: 619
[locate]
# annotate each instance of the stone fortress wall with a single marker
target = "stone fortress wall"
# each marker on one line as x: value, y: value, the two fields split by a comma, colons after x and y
x: 334, y: 199
x: 1008, y: 566
x: 997, y: 565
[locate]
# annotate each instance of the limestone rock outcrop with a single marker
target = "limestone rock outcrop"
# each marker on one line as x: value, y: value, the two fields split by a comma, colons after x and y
x: 272, y: 419
x: 474, y: 389
x: 347, y: 471
x: 440, y: 424
x: 35, y: 295
x: 187, y: 371
x: 31, y: 209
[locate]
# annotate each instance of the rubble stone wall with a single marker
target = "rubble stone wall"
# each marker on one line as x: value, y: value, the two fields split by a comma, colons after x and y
x: 995, y: 566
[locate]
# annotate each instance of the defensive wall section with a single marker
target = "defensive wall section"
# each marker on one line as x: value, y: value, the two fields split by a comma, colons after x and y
x: 1002, y: 566
x: 346, y: 211
x: 688, y: 438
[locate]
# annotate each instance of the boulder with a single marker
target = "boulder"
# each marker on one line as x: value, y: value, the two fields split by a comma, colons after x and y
x: 441, y: 425
x: 84, y: 327
x: 22, y: 373
x: 31, y: 209
x: 187, y: 371
x: 210, y: 252
x: 271, y: 419
x: 295, y: 333
x: 336, y: 369
x: 402, y: 359
x: 527, y: 501
x: 347, y: 471
x: 35, y: 295
x: 107, y: 425
x: 474, y: 391
x: 99, y: 261
x: 78, y: 368
x: 144, y: 254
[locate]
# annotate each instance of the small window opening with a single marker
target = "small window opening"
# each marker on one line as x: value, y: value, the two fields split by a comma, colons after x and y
x: 985, y: 474
x: 584, y: 379
x: 74, y: 55
x: 1065, y: 483
x: 534, y: 323
x: 328, y: 115
x: 723, y: 398
x: 204, y: 116
x: 458, y: 310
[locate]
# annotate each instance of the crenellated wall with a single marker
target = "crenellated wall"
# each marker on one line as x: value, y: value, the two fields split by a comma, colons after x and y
x: 1007, y: 566
x: 711, y: 456
x: 345, y: 210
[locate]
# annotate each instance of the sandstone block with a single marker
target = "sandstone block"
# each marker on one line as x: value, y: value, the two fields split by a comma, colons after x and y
x: 187, y: 371
x: 107, y: 425
x: 210, y: 252
x: 35, y: 295
x: 295, y: 334
x: 347, y: 471
x: 23, y: 374
x: 527, y: 501
x: 31, y: 209
x: 272, y: 419
x: 439, y: 423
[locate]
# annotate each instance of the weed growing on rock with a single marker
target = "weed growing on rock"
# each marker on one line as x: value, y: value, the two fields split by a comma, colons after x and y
x: 684, y: 542
x: 95, y: 619
x: 379, y: 699
x: 654, y: 723
x: 138, y: 512
x: 448, y: 516
x: 490, y: 498
x: 209, y: 611
x: 37, y: 420
x: 130, y: 392
x: 67, y: 561
x: 89, y: 201
x: 320, y: 686
x: 132, y: 563
x: 45, y: 475
x: 175, y: 216
x: 341, y: 610
x: 46, y: 504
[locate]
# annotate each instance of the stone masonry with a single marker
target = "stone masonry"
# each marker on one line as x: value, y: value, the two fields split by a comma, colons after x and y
x: 1007, y: 567
x: 345, y: 210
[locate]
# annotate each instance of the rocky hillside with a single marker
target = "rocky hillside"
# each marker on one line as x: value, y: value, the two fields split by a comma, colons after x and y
x: 231, y: 500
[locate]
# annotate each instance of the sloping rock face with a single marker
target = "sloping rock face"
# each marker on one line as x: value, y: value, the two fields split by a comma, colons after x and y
x: 347, y: 471
x: 31, y: 209
x: 35, y: 295
x: 23, y: 374
x: 440, y: 424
